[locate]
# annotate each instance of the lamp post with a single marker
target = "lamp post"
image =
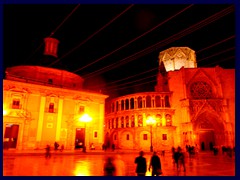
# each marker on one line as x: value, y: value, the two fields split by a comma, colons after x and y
x: 85, y: 118
x: 150, y: 121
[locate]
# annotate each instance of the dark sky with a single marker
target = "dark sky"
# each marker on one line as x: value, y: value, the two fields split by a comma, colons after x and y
x: 92, y: 32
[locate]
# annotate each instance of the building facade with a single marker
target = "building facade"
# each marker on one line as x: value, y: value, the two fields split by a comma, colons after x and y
x: 45, y: 105
x: 191, y: 106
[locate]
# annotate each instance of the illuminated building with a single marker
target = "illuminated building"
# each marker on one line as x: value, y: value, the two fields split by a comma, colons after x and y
x: 191, y: 106
x: 43, y: 105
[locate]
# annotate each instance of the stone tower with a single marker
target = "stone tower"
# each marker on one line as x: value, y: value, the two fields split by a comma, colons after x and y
x: 176, y: 57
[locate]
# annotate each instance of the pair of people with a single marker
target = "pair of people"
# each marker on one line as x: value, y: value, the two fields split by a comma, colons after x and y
x: 155, y: 164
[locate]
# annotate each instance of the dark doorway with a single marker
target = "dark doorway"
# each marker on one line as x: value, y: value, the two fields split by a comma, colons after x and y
x: 80, y: 138
x: 10, y: 136
x: 206, y: 137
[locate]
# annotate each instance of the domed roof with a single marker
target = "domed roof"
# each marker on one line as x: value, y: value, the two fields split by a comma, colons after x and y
x: 45, y: 76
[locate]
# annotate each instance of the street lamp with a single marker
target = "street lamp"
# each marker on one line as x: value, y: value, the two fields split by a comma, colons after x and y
x: 150, y: 121
x: 85, y: 118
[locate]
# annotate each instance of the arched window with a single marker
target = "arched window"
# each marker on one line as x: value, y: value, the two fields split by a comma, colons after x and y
x: 117, y: 122
x: 139, y: 102
x: 157, y: 101
x: 112, y: 107
x: 131, y: 103
x: 122, y: 105
x: 122, y: 122
x: 112, y: 123
x: 140, y: 121
x: 127, y: 104
x: 148, y: 101
x: 201, y: 90
x: 158, y: 120
x: 133, y: 121
x: 116, y: 105
x: 168, y: 120
x: 109, y: 124
x: 167, y: 104
x: 127, y: 121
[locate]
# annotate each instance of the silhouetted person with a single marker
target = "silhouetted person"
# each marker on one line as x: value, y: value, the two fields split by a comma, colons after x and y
x: 109, y: 167
x: 56, y: 145
x: 62, y: 148
x: 141, y: 162
x: 155, y: 164
x: 47, y: 153
x: 181, y: 159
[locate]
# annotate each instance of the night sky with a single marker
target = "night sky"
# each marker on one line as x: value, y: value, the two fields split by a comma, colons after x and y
x: 89, y: 33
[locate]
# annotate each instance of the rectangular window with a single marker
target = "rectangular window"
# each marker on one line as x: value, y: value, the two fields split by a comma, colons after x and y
x: 115, y: 137
x: 50, y: 81
x: 164, y: 137
x: 16, y: 104
x: 127, y: 138
x: 144, y: 136
x: 95, y: 134
x: 51, y: 108
x: 81, y: 109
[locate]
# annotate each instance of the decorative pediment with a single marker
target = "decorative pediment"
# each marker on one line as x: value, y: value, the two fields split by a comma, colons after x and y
x: 82, y: 98
x: 200, y: 74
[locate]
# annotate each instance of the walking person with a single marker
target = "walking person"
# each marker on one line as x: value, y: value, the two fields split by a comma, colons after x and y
x: 47, y: 153
x: 155, y: 164
x: 141, y: 162
x: 181, y: 159
x: 109, y: 167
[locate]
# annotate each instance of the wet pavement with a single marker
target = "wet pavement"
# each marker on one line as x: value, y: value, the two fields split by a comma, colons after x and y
x: 91, y: 164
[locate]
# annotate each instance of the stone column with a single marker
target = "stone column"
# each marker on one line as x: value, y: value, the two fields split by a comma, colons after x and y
x: 70, y: 135
x: 25, y: 134
x: 40, y: 120
x: 59, y: 119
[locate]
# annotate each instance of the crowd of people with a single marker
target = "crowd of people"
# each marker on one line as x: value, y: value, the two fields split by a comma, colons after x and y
x: 111, y: 168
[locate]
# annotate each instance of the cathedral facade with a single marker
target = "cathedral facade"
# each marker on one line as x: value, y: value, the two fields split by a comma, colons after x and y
x: 190, y: 106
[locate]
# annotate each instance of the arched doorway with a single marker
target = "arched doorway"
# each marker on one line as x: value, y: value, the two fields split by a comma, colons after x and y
x: 209, y: 131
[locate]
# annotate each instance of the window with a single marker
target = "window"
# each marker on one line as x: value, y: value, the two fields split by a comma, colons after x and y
x: 148, y: 101
x: 81, y: 109
x: 115, y: 137
x: 164, y: 136
x: 127, y: 104
x: 127, y: 121
x: 50, y: 81
x: 117, y: 122
x: 122, y: 122
x: 16, y: 104
x: 168, y: 120
x: 201, y: 90
x: 127, y: 138
x: 131, y: 103
x: 112, y: 123
x: 140, y: 121
x: 122, y: 105
x: 144, y: 136
x: 132, y: 121
x: 139, y: 102
x: 51, y: 108
x: 95, y: 134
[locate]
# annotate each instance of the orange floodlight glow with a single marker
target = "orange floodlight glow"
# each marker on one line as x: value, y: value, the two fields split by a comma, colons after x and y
x: 150, y: 121
x: 85, y: 118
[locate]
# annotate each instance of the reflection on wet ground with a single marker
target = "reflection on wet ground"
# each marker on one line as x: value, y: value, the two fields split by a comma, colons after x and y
x: 92, y: 165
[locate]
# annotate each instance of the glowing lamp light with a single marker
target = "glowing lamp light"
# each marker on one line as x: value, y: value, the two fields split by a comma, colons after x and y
x: 85, y: 118
x: 150, y: 121
x: 5, y: 111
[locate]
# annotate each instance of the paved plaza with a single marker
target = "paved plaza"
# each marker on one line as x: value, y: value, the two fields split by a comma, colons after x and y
x: 91, y: 164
